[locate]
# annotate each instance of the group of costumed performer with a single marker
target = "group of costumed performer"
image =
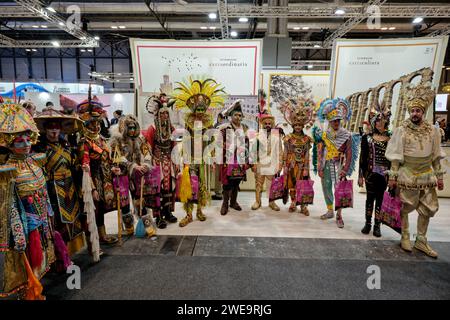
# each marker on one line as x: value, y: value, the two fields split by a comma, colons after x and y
x: 373, y: 166
x: 27, y: 229
x: 415, y: 153
x: 297, y: 145
x: 197, y: 97
x: 335, y: 150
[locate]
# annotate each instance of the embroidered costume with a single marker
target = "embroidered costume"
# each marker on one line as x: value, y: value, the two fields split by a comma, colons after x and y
x: 59, y: 165
x: 373, y: 167
x: 94, y: 156
x: 235, y: 156
x: 159, y: 137
x: 415, y: 153
x: 26, y: 231
x: 335, y: 151
x: 297, y: 145
x: 197, y: 96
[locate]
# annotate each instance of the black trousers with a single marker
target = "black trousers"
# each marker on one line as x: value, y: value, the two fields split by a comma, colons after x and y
x: 375, y: 185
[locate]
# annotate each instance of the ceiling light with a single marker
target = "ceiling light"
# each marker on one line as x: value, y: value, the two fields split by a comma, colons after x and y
x: 34, y: 50
x: 90, y: 50
x: 296, y: 28
x: 27, y: 50
x: 44, y: 27
x: 114, y: 27
x: 417, y: 20
x: 384, y: 28
x: 83, y: 38
x: 447, y: 68
x: 97, y: 38
x: 243, y: 19
x: 61, y: 24
x: 55, y: 43
x: 233, y: 33
x: 316, y: 46
x: 339, y: 11
x: 35, y: 26
x: 212, y: 28
x: 119, y: 74
x: 212, y: 16
x: 305, y: 28
x: 51, y: 9
x: 83, y: 50
x: 310, y: 66
x: 131, y: 79
x: 122, y: 27
x: 117, y: 80
x: 391, y: 28
x: 203, y: 28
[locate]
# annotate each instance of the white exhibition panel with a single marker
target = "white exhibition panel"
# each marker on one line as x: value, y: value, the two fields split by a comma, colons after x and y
x: 358, y: 65
x: 158, y: 65
x: 279, y: 85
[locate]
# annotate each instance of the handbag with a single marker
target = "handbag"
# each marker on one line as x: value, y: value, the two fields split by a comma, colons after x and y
x: 390, y: 212
x: 277, y: 190
x: 343, y: 194
x: 304, y: 192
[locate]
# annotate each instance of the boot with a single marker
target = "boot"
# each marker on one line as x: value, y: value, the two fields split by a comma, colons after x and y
x: 421, y: 239
x: 168, y: 216
x: 160, y: 223
x: 188, y: 219
x: 368, y: 225
x: 233, y: 200
x: 304, y: 210
x: 404, y: 242
x: 226, y: 200
x: 376, y: 228
x: 293, y: 206
x: 200, y: 215
x: 104, y: 238
x: 339, y: 220
x: 273, y: 206
x: 257, y: 203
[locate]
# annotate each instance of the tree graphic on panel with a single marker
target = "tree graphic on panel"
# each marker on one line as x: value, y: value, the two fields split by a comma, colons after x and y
x: 283, y: 87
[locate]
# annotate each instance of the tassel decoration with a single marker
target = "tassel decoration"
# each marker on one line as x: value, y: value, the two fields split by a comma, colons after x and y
x: 185, y: 186
x: 34, y: 287
x: 89, y: 208
x: 61, y: 251
x: 35, y: 250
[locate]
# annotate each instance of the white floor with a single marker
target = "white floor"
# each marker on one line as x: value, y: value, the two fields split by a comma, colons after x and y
x: 267, y: 223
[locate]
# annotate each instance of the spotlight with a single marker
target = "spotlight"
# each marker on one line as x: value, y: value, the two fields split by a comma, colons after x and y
x: 243, y: 19
x: 310, y: 66
x: 97, y: 38
x: 203, y: 28
x: 316, y: 46
x: 233, y: 34
x: 296, y: 28
x: 51, y: 9
x: 339, y: 11
x: 56, y: 44
x: 417, y: 20
x: 305, y: 28
x: 212, y: 16
x: 61, y: 24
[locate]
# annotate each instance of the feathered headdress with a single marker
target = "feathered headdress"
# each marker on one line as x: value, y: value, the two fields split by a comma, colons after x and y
x: 199, y: 95
x: 159, y: 103
x: 420, y: 96
x: 334, y: 109
x: 378, y: 112
x: 302, y: 112
x: 90, y: 109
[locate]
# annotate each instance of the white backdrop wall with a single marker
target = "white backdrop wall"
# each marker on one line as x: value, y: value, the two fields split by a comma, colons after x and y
x: 234, y: 64
x: 358, y: 65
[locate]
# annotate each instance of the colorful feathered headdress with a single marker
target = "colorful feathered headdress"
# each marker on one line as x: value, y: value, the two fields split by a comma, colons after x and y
x: 199, y: 95
x: 334, y: 109
x: 302, y: 112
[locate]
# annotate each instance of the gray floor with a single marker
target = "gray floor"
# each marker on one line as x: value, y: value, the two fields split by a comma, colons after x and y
x: 191, y: 267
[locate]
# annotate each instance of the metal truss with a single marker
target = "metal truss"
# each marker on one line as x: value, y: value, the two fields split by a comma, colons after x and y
x: 222, y: 6
x: 15, y: 12
x: 308, y: 45
x: 350, y: 23
x: 11, y: 43
x: 35, y: 6
x: 116, y: 77
x: 441, y: 32
x: 303, y: 63
x: 327, y: 11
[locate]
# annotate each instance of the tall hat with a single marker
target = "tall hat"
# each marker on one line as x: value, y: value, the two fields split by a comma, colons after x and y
x: 420, y: 96
x: 69, y: 123
x: 301, y: 112
x: 334, y: 109
x: 234, y: 107
x: 15, y: 119
x: 90, y: 109
x: 264, y: 115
